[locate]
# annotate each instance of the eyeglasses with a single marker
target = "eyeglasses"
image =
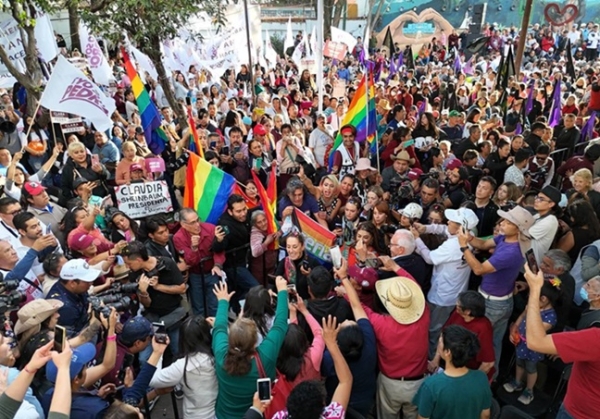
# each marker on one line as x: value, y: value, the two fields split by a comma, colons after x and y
x: 15, y: 212
x: 541, y: 198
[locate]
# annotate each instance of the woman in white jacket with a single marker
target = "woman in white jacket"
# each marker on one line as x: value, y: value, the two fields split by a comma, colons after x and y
x: 194, y: 371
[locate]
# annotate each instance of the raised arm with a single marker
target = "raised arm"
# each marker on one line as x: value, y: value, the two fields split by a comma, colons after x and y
x: 344, y: 387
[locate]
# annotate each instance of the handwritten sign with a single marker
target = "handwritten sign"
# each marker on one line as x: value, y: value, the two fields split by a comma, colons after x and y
x: 139, y: 200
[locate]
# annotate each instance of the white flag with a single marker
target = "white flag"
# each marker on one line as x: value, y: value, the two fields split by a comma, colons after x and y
x: 344, y: 37
x: 313, y: 42
x: 270, y: 53
x: 69, y: 90
x: 100, y: 68
x: 289, y: 38
x: 44, y: 37
x: 144, y: 62
x: 297, y: 55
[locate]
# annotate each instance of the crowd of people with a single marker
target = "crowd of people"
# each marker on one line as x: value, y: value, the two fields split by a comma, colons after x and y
x: 468, y: 233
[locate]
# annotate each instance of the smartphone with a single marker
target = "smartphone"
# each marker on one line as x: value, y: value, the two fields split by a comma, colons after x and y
x: 60, y: 336
x: 95, y: 159
x: 160, y: 332
x: 212, y: 144
x: 188, y: 101
x: 465, y: 227
x: 305, y: 265
x: 127, y: 362
x: 292, y: 293
x: 533, y: 266
x: 263, y: 387
x: 106, y: 201
x: 336, y: 256
x: 225, y: 229
x: 225, y: 150
x: 236, y: 150
x: 373, y: 263
x: 48, y: 229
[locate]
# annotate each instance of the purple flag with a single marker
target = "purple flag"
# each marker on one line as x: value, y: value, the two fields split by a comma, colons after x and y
x: 588, y: 129
x: 361, y: 56
x: 555, y: 110
x: 422, y: 107
x: 392, y: 70
x: 400, y: 60
x: 530, y: 95
x: 519, y: 129
x: 457, y: 67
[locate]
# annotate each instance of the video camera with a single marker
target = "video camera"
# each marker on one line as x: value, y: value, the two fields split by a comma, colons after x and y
x: 12, y: 300
x: 102, y: 305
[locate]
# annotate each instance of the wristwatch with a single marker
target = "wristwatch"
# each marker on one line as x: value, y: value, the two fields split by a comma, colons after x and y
x: 464, y: 249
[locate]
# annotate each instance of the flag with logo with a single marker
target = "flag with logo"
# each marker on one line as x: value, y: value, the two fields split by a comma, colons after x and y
x: 97, y: 61
x: 69, y: 90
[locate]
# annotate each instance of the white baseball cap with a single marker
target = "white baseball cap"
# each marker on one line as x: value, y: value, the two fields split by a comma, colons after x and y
x: 462, y: 216
x: 79, y: 269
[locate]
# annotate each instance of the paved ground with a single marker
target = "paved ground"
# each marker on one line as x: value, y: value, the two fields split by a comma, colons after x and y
x: 164, y: 408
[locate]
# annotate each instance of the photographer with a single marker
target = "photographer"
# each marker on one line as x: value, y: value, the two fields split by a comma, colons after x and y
x: 76, y: 277
x: 160, y: 288
x: 455, y: 193
x: 236, y: 163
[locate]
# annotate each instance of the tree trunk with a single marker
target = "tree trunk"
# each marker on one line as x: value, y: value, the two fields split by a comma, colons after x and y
x: 74, y: 24
x: 34, y: 72
x: 327, y: 17
x: 153, y: 52
x: 337, y: 13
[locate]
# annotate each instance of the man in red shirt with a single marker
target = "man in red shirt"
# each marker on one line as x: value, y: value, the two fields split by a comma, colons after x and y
x: 580, y: 348
x: 194, y: 240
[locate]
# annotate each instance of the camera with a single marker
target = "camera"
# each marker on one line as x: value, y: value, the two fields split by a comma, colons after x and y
x: 118, y: 301
x: 8, y: 284
x: 117, y: 287
x: 389, y: 229
x: 12, y: 300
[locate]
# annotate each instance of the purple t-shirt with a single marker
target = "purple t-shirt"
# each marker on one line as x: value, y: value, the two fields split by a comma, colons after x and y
x: 507, y: 260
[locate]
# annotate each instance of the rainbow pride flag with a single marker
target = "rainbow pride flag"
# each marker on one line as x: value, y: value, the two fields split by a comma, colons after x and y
x: 207, y: 189
x: 362, y: 115
x: 151, y: 121
x: 268, y: 199
x: 195, y: 145
x: 318, y: 238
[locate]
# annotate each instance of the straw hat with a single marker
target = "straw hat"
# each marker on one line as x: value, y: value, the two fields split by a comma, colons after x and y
x: 34, y: 313
x: 402, y: 298
x: 384, y: 104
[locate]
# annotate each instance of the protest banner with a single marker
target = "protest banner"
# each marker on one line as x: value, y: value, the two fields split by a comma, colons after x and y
x: 58, y: 117
x: 309, y: 64
x: 70, y: 127
x: 335, y: 50
x: 142, y: 199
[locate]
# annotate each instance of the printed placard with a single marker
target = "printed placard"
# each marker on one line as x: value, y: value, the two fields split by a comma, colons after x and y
x: 139, y: 200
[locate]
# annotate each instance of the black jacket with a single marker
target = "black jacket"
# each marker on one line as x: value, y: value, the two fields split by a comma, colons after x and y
x: 460, y: 148
x: 72, y: 170
x: 414, y: 265
x: 567, y: 138
x: 488, y: 217
x: 237, y: 238
x: 154, y: 249
x: 497, y: 167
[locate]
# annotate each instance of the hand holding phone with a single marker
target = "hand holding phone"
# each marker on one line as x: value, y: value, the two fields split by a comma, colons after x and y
x: 60, y: 337
x: 263, y: 386
x: 95, y: 159
x: 336, y: 256
x: 531, y: 261
x: 160, y: 332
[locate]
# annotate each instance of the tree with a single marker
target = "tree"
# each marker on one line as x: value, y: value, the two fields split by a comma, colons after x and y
x: 148, y: 23
x: 24, y: 12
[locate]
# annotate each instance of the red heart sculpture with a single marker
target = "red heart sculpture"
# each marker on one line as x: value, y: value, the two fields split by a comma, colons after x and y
x: 567, y: 14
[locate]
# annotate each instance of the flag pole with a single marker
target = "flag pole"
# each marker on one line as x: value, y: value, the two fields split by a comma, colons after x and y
x: 250, y: 69
x: 319, y: 52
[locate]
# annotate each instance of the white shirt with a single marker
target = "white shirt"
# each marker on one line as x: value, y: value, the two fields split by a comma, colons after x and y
x: 542, y: 233
x: 592, y: 40
x: 450, y: 272
x: 200, y: 393
x: 319, y: 141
